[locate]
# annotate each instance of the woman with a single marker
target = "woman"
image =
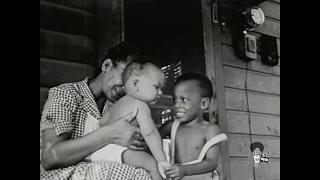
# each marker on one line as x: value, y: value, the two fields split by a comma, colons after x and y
x: 64, y: 145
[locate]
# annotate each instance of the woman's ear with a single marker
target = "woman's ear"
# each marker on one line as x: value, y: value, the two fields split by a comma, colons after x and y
x: 106, y: 65
x: 205, y: 103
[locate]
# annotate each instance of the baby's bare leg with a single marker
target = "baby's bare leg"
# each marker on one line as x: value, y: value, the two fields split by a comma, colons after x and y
x: 141, y: 159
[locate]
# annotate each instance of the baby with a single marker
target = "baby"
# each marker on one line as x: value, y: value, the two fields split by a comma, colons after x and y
x: 143, y: 84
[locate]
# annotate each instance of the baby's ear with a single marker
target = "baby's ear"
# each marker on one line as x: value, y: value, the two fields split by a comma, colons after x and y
x: 205, y: 103
x: 135, y: 82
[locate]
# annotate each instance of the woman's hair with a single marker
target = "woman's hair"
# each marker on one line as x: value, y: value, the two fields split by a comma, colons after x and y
x: 121, y: 52
x: 255, y: 145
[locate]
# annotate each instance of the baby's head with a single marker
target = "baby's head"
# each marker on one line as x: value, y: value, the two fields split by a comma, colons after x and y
x: 192, y: 95
x: 143, y: 81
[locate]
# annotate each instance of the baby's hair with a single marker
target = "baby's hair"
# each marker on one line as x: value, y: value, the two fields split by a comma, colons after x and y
x: 204, y: 83
x: 133, y: 68
x: 255, y: 145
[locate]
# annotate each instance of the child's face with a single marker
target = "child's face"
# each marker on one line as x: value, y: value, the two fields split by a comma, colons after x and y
x: 150, y: 85
x: 187, y: 101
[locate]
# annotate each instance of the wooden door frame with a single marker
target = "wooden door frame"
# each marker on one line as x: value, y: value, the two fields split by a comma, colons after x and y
x: 214, y: 70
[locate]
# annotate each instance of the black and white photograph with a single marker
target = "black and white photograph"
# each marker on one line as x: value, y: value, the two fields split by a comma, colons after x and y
x: 159, y: 89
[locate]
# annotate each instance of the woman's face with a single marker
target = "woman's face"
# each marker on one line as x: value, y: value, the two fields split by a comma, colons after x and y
x: 112, y: 82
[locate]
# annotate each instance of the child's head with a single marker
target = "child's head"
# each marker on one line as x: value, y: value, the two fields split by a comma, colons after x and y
x: 192, y: 93
x: 143, y: 81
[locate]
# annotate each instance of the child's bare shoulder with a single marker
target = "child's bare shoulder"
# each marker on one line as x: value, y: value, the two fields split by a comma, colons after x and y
x: 211, y: 130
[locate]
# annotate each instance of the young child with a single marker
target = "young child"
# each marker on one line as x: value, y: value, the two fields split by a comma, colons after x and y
x: 194, y: 149
x: 143, y: 86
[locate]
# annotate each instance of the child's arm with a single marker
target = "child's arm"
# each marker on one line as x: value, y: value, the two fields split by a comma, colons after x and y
x: 150, y: 132
x: 209, y: 164
x: 165, y: 129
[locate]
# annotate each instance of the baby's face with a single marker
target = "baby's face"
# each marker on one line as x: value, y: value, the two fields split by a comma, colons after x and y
x: 150, y: 85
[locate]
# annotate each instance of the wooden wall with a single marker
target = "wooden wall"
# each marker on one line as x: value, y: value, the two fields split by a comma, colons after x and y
x: 252, y: 98
x: 67, y: 42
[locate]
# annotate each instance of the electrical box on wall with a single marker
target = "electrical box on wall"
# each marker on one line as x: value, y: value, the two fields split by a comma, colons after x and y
x: 269, y: 50
x: 250, y: 46
x: 246, y: 46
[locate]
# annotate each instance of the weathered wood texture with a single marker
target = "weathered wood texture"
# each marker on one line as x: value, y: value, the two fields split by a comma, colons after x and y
x: 241, y: 169
x: 67, y: 42
x: 268, y: 171
x: 252, y: 96
x: 214, y: 70
x: 88, y: 5
x: 270, y: 26
x: 239, y: 145
x: 65, y: 19
x: 55, y: 72
x: 66, y: 47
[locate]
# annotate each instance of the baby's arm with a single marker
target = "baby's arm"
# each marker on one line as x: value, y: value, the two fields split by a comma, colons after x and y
x: 152, y: 136
x: 149, y: 131
x: 209, y: 164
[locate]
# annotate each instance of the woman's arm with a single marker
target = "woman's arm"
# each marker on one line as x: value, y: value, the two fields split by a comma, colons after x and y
x: 61, y: 151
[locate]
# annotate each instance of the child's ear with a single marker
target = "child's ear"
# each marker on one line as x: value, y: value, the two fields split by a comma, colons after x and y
x: 135, y: 83
x: 205, y: 103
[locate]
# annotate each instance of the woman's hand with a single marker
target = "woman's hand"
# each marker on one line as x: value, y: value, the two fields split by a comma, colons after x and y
x: 126, y: 134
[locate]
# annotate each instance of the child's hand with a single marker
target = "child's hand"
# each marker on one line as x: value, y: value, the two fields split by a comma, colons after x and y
x: 163, y: 167
x: 175, y: 172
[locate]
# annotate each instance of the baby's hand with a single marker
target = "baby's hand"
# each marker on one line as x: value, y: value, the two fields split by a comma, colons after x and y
x: 163, y: 166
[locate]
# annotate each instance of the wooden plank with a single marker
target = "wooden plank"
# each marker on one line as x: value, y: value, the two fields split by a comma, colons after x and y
x: 65, y: 19
x: 268, y: 171
x: 43, y: 97
x: 236, y: 99
x: 209, y: 54
x: 240, y: 169
x: 278, y: 46
x: 234, y: 77
x: 271, y: 144
x: 257, y: 65
x: 68, y: 47
x: 54, y: 72
x: 227, y: 38
x: 270, y: 9
x: 239, y: 144
x: 263, y: 82
x: 238, y: 122
x: 264, y: 103
x: 214, y: 70
x: 229, y: 57
x: 82, y: 4
x: 263, y: 124
x: 270, y: 27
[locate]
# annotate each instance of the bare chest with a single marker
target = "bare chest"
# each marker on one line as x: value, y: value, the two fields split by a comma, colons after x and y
x: 188, y: 144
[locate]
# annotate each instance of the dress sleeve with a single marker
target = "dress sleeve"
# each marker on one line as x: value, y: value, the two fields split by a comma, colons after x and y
x: 58, y: 111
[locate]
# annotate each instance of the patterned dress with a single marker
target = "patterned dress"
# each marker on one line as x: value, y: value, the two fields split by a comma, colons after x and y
x: 66, y: 111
